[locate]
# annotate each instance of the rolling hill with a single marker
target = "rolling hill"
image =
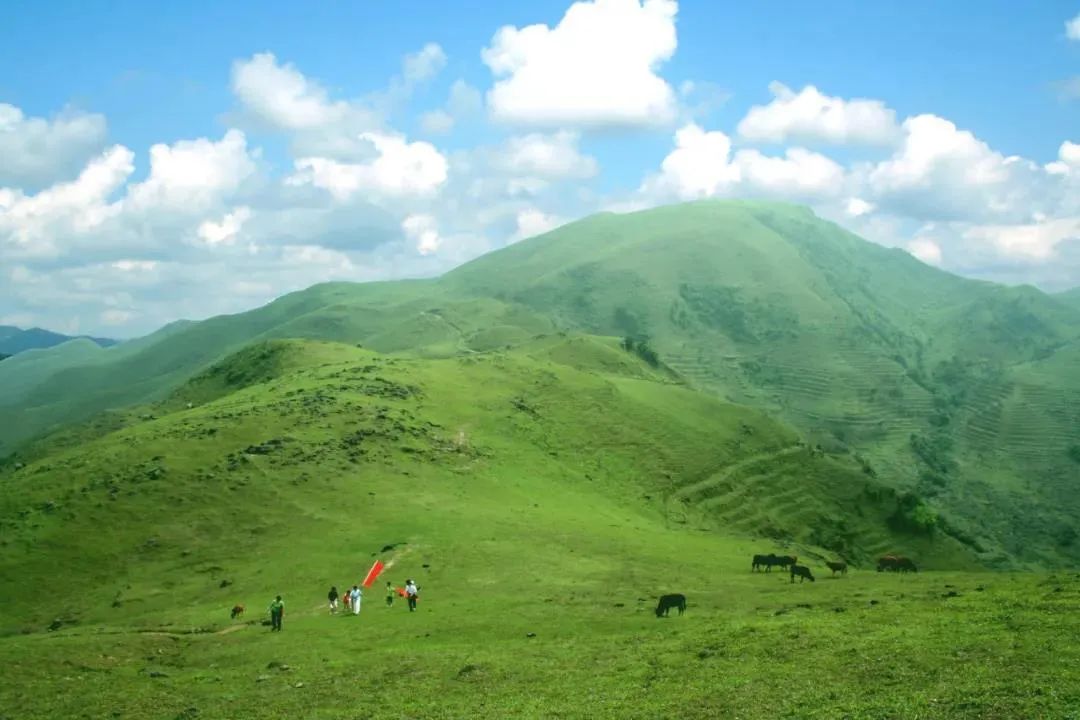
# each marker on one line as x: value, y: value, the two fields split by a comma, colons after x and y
x: 16, y: 340
x: 542, y: 496
x: 960, y: 395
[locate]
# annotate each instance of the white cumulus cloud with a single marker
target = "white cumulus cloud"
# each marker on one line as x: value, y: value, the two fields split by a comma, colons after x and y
x: 597, y: 67
x: 424, y: 64
x: 703, y: 165
x: 811, y: 116
x: 437, y: 122
x: 857, y: 207
x: 940, y: 172
x: 553, y: 156
x: 31, y: 225
x: 402, y: 168
x: 35, y: 151
x: 1033, y: 242
x: 1068, y: 162
x: 225, y: 231
x: 282, y: 96
x: 1072, y: 28
x: 193, y: 174
x: 423, y: 231
x: 926, y: 250
x: 532, y: 222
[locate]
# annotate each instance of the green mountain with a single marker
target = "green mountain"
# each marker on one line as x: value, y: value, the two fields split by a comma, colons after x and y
x: 1070, y: 297
x: 16, y: 340
x: 960, y: 395
x: 547, y: 439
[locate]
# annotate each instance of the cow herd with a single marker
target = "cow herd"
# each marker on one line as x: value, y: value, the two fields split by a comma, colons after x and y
x: 765, y: 563
x: 892, y: 563
x: 896, y: 563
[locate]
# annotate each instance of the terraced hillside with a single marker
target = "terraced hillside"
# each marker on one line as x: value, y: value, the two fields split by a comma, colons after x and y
x: 958, y: 393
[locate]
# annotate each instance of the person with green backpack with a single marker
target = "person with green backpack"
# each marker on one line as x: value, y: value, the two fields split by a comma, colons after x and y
x: 277, y: 610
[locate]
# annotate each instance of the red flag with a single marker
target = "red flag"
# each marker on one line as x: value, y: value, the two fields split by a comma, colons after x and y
x: 373, y: 573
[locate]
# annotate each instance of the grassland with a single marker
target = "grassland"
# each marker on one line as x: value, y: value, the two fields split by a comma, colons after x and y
x: 542, y: 497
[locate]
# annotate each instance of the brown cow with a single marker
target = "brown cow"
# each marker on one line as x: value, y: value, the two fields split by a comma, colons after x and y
x: 896, y: 563
x: 837, y: 567
x: 237, y: 611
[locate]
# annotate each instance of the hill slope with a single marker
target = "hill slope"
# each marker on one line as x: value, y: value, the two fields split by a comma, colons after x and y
x: 955, y: 389
x: 959, y: 392
x: 542, y: 497
x: 285, y: 433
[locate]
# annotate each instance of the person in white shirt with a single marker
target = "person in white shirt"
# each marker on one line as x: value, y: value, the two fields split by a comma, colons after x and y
x: 411, y: 591
x: 356, y: 594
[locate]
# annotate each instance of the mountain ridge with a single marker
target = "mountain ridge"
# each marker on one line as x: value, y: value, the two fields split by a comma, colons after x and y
x: 14, y: 340
x: 929, y: 378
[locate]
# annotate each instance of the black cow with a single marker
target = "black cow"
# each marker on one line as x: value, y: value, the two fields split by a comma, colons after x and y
x: 904, y: 564
x: 675, y: 600
x: 802, y: 571
x: 896, y: 563
x: 764, y: 561
x: 786, y: 560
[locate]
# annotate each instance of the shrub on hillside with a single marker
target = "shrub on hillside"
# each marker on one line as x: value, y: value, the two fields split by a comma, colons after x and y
x: 1074, y: 453
x: 913, y: 515
x: 933, y: 450
x: 642, y: 349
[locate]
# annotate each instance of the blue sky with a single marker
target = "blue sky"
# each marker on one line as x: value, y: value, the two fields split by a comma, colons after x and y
x: 985, y: 182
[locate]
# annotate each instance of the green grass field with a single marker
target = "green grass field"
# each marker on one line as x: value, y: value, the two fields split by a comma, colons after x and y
x: 557, y: 489
x: 493, y: 435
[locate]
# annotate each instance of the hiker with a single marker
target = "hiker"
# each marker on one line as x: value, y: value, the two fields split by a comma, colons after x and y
x: 390, y: 592
x: 411, y: 591
x: 357, y: 594
x: 332, y: 596
x: 277, y: 609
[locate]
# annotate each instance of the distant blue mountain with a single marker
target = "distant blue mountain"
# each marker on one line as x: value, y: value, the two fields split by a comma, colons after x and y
x: 15, y: 340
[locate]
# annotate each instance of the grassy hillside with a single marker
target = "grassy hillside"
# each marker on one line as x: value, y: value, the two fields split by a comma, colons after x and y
x: 542, y: 497
x: 303, y: 423
x: 958, y: 394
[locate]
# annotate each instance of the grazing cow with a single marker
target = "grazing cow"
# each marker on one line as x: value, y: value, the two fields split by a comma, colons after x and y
x: 837, y: 567
x: 904, y: 564
x: 764, y: 561
x: 237, y: 611
x: 896, y: 563
x: 802, y: 571
x: 786, y: 560
x: 675, y: 600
